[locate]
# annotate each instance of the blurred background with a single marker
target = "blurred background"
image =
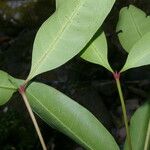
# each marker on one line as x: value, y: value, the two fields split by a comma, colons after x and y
x: 90, y: 85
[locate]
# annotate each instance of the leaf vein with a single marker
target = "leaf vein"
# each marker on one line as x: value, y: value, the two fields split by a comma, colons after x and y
x: 55, y: 41
x: 59, y: 120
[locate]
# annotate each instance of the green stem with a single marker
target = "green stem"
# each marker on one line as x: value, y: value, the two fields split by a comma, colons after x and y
x: 117, y: 79
x: 147, y: 141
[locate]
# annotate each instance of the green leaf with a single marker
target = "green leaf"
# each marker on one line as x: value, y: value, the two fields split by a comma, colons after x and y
x: 69, y: 117
x: 138, y: 127
x: 139, y: 54
x: 134, y: 24
x: 96, y: 52
x: 66, y: 32
x: 6, y: 87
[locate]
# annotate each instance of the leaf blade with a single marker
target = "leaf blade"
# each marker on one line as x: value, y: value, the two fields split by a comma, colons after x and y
x: 138, y: 127
x: 139, y: 54
x: 6, y: 88
x: 133, y: 23
x: 96, y: 52
x: 73, y: 25
x: 69, y: 117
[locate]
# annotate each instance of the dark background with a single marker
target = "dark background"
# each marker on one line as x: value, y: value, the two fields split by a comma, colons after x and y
x: 89, y: 84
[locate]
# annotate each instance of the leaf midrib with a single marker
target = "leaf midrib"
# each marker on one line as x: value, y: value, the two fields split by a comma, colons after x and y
x: 53, y: 115
x: 139, y: 58
x: 104, y: 63
x: 55, y: 41
x: 135, y: 25
x: 131, y: 64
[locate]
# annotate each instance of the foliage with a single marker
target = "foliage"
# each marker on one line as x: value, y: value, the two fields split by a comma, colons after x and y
x: 96, y: 51
x: 69, y: 117
x: 139, y: 54
x: 54, y: 38
x: 62, y: 36
x: 139, y: 127
x: 6, y: 88
x: 133, y: 24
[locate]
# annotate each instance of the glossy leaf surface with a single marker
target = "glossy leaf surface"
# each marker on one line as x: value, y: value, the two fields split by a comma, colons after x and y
x: 6, y: 87
x: 69, y: 117
x: 66, y: 32
x: 96, y: 52
x: 138, y: 127
x: 139, y: 54
x: 133, y: 23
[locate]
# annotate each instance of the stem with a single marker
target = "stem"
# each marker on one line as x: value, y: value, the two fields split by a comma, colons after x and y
x: 147, y: 141
x: 23, y: 94
x: 117, y: 79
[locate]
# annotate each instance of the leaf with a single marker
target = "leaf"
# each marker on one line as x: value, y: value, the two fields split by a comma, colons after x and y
x: 6, y: 87
x: 133, y: 23
x: 96, y: 52
x: 138, y: 127
x: 139, y: 54
x: 147, y: 139
x: 66, y: 32
x: 69, y: 117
